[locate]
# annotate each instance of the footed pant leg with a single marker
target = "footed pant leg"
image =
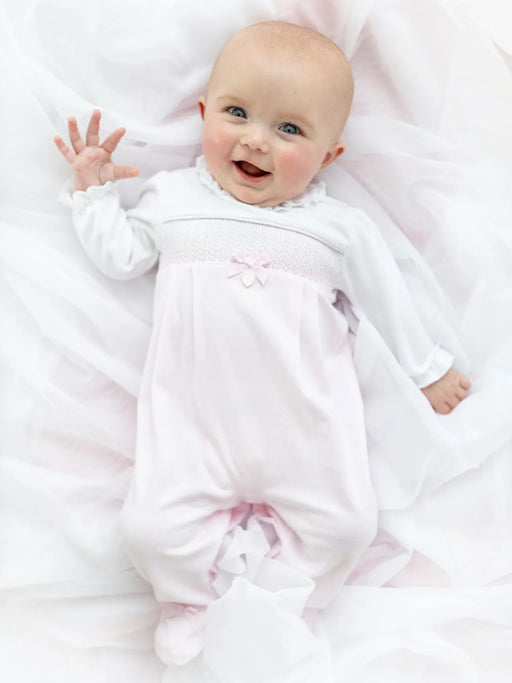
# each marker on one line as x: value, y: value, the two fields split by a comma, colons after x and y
x: 318, y: 487
x: 174, y: 548
x: 179, y: 508
x: 321, y: 544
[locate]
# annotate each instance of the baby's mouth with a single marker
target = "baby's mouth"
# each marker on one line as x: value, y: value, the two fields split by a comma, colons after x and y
x: 250, y: 171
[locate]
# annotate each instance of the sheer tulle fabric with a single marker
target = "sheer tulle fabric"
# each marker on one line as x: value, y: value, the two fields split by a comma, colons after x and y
x: 428, y: 156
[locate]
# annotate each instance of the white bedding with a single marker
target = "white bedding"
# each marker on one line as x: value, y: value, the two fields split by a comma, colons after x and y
x: 429, y: 155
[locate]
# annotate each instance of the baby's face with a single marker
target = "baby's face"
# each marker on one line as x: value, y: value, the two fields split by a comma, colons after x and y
x: 269, y: 124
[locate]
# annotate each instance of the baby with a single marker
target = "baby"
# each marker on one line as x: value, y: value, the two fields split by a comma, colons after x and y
x: 249, y: 404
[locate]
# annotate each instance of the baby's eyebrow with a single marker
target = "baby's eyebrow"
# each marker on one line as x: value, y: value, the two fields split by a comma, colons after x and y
x: 231, y: 98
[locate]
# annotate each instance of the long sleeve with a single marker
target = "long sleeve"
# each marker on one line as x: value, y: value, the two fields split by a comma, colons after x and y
x: 121, y: 243
x: 375, y: 288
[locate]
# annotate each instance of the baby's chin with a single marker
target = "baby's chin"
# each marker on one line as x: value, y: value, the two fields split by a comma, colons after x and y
x: 250, y: 197
x: 263, y: 204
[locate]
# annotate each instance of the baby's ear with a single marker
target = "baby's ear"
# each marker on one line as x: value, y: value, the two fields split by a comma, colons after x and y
x: 333, y: 154
x: 202, y: 104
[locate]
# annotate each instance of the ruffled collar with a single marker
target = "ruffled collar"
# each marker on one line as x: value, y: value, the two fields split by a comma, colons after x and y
x: 313, y: 194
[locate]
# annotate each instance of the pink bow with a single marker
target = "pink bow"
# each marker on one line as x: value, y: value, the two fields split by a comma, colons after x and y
x: 252, y: 268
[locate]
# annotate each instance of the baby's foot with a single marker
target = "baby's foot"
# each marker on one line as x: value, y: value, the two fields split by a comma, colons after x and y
x: 447, y: 392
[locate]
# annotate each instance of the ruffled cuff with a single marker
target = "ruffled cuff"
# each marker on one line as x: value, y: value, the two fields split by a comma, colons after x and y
x: 437, y: 364
x: 74, y: 199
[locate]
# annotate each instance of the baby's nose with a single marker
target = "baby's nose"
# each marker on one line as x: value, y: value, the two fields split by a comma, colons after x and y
x: 255, y: 139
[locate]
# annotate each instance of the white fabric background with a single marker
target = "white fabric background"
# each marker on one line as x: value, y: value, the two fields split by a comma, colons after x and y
x: 429, y: 149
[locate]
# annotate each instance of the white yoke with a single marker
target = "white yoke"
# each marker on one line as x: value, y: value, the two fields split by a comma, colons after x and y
x: 249, y: 394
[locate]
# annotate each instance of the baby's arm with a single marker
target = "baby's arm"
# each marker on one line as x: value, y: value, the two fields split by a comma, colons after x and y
x: 376, y: 289
x: 121, y: 243
x: 91, y: 163
x: 447, y: 392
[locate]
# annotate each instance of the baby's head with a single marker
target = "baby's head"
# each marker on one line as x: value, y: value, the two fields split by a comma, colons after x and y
x: 277, y: 102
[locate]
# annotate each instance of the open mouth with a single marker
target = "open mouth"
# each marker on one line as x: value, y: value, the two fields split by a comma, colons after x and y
x: 250, y: 172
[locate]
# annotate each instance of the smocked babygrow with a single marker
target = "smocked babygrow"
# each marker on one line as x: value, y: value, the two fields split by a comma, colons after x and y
x: 249, y: 395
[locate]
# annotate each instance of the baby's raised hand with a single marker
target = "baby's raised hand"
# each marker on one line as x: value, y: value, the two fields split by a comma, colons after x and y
x: 447, y: 392
x: 91, y: 163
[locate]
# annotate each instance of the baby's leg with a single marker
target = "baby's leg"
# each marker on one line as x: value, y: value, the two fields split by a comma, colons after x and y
x: 322, y: 531
x: 318, y: 482
x: 179, y: 508
x: 175, y: 546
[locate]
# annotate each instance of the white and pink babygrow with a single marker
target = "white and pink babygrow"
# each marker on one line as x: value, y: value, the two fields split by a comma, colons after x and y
x: 249, y: 403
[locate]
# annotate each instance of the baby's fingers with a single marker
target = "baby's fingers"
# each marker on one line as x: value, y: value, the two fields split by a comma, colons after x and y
x: 123, y: 172
x: 64, y: 149
x: 461, y: 394
x: 112, y: 141
x: 464, y: 382
x: 92, y: 135
x: 443, y: 408
x: 76, y: 140
x: 462, y: 387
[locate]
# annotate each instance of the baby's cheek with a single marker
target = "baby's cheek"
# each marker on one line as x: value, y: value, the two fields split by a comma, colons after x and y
x: 298, y: 167
x: 216, y: 141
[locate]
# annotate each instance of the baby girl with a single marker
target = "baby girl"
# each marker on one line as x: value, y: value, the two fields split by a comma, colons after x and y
x: 249, y: 404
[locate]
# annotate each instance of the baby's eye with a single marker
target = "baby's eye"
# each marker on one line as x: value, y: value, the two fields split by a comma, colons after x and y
x: 237, y: 111
x: 290, y: 128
